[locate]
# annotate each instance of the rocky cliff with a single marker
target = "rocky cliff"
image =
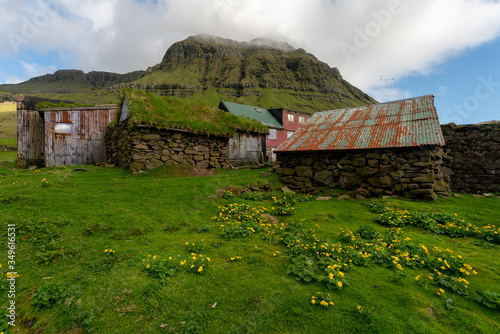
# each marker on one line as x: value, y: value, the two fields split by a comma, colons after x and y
x: 263, y: 72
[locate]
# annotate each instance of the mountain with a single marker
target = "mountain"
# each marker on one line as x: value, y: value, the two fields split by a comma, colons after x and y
x: 208, y: 69
x: 71, y: 81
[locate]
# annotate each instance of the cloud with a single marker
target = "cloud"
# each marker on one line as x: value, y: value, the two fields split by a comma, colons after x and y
x: 12, y: 80
x: 364, y: 39
x: 34, y: 70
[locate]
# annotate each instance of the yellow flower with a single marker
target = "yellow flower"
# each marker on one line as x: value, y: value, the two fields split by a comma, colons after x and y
x: 105, y: 250
x: 339, y: 284
x: 358, y: 307
x: 154, y: 257
x: 200, y: 269
x: 313, y: 301
x: 147, y: 266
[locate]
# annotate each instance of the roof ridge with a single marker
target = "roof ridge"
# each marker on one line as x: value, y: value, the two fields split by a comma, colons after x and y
x: 380, y: 103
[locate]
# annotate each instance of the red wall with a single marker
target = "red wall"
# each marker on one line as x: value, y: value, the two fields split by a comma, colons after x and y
x: 289, y: 126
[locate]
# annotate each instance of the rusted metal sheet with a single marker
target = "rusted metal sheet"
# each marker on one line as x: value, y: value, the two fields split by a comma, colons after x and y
x: 30, y: 135
x: 402, y: 123
x: 247, y: 147
x: 84, y: 143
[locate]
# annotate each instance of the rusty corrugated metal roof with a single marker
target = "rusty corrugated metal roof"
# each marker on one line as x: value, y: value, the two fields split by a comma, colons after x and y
x: 402, y: 123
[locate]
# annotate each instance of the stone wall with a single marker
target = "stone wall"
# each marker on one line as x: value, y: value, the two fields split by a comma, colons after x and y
x: 476, y: 156
x: 412, y: 172
x: 144, y: 148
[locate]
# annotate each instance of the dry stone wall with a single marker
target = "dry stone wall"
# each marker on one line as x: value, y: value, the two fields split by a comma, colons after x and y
x: 475, y: 149
x: 144, y: 148
x: 415, y: 172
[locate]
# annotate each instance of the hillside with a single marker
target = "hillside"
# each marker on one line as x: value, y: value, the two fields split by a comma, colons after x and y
x: 208, y: 69
x: 71, y: 81
x: 8, y: 120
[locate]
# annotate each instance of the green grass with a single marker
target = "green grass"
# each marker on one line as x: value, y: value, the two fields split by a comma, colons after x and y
x: 170, y: 112
x: 156, y: 213
x: 8, y: 121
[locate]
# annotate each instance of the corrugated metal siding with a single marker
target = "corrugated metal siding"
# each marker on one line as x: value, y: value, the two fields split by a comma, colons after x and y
x: 403, y: 123
x: 30, y: 134
x: 85, y: 145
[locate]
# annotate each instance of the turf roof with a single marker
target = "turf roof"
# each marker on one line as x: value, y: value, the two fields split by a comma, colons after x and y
x: 166, y: 112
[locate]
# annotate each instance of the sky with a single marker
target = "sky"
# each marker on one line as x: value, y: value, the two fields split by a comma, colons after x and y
x: 390, y: 49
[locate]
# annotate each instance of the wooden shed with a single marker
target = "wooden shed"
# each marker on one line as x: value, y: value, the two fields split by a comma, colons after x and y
x: 61, y: 136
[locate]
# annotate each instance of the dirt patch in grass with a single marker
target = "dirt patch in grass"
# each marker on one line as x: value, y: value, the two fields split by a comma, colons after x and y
x: 7, y: 148
x: 182, y: 170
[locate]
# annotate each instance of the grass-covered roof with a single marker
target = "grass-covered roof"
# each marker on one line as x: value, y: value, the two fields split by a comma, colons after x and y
x: 166, y: 112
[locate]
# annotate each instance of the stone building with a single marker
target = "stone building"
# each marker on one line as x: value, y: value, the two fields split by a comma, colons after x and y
x: 385, y: 148
x: 153, y: 131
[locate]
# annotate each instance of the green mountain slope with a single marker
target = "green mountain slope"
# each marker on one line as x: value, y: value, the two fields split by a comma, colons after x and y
x: 70, y: 81
x: 208, y: 69
x: 261, y: 72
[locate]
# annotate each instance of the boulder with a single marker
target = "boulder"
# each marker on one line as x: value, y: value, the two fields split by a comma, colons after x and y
x: 349, y: 180
x: 324, y: 177
x: 367, y: 171
x: 304, y: 171
x: 380, y: 182
x: 152, y: 164
x: 344, y: 198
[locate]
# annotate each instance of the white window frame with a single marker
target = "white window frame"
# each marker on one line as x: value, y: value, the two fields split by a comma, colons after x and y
x: 302, y: 119
x: 273, y: 134
x: 291, y: 118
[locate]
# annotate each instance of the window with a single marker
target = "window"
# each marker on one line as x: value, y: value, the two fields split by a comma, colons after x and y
x: 302, y: 119
x: 289, y: 134
x: 62, y: 128
x: 272, y: 134
x: 291, y: 118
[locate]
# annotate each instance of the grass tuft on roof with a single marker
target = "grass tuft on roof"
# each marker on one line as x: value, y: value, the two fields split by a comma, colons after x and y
x: 166, y: 112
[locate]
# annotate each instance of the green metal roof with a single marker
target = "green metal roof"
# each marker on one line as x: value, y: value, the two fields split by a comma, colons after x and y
x: 260, y: 114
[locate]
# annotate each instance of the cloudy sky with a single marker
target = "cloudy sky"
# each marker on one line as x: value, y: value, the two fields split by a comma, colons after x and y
x: 391, y: 49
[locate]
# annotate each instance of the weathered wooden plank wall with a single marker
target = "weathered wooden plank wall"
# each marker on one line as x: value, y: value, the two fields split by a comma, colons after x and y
x: 30, y: 135
x: 247, y: 147
x: 84, y: 143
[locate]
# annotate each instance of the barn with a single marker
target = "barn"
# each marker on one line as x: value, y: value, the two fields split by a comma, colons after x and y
x: 61, y: 136
x: 381, y: 149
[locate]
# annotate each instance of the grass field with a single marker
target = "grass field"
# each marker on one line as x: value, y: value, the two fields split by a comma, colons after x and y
x: 8, y: 120
x: 103, y: 251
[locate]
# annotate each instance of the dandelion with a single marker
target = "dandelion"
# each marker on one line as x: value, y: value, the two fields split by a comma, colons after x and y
x: 358, y: 307
x: 313, y: 301
x: 200, y: 269
x: 339, y: 284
